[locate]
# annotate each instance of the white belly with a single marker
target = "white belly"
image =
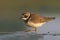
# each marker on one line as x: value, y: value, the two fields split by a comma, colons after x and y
x: 35, y: 24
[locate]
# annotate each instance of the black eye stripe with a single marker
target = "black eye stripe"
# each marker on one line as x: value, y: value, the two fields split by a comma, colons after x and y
x: 25, y: 16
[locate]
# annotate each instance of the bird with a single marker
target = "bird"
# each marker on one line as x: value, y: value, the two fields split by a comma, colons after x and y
x: 35, y: 20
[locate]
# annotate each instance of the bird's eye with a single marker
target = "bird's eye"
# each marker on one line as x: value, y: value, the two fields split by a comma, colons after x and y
x: 25, y: 16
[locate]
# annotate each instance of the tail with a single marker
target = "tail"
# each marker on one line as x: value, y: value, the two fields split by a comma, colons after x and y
x: 50, y: 18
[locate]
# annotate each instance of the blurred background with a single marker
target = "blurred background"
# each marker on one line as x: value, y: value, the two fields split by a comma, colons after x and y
x: 10, y: 11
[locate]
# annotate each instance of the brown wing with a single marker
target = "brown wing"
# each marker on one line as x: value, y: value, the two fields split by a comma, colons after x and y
x: 36, y: 18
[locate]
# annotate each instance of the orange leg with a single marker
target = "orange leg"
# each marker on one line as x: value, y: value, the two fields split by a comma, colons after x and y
x: 35, y: 29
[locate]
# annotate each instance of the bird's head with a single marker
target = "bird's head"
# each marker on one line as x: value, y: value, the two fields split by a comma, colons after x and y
x: 25, y: 15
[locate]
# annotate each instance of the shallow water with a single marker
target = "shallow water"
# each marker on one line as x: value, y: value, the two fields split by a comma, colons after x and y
x: 27, y: 36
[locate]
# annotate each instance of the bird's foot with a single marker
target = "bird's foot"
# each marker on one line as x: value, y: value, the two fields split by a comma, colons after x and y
x: 28, y: 31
